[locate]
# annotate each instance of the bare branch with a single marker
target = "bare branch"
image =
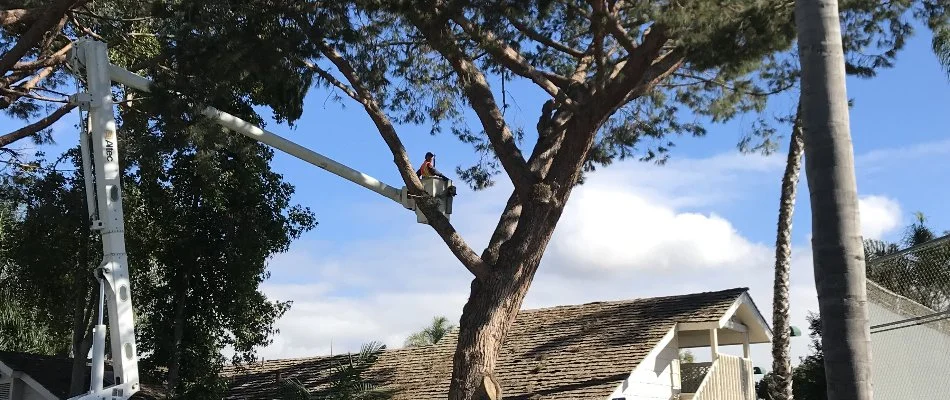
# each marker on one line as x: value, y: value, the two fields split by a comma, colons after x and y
x: 549, y: 81
x: 538, y: 37
x: 597, y: 26
x: 53, y: 59
x: 19, y: 15
x: 617, y: 31
x: 85, y: 12
x: 35, y: 127
x: 19, y: 93
x: 724, y: 85
x: 634, y: 68
x: 333, y: 81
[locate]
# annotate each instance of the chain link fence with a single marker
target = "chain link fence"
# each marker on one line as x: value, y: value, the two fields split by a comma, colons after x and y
x: 909, y: 310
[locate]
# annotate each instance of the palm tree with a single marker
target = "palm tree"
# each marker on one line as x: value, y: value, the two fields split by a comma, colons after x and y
x: 431, y: 334
x: 781, y: 388
x: 836, y: 234
x: 347, y: 380
x: 916, y: 268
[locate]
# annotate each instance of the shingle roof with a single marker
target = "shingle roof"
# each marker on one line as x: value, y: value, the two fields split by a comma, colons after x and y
x: 50, y: 371
x: 55, y: 372
x: 566, y: 352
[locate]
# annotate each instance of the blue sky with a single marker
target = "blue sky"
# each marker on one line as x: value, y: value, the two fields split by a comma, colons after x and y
x: 704, y: 221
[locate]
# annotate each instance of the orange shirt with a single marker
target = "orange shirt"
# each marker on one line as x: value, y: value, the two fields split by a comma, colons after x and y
x: 426, y: 169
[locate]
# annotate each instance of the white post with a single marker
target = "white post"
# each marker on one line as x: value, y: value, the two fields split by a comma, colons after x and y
x: 114, y: 268
x: 714, y: 343
x: 87, y: 172
x: 746, y: 351
x: 98, y: 367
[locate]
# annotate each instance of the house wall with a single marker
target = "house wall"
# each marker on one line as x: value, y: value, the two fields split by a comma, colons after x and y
x: 908, y: 363
x: 653, y: 379
x: 17, y: 389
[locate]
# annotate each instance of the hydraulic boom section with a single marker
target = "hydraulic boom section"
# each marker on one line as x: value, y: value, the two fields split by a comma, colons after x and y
x: 100, y: 162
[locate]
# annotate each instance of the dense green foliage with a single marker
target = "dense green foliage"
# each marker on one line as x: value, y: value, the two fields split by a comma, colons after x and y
x: 200, y: 225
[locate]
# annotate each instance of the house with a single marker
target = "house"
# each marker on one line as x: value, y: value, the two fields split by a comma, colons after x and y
x: 25, y: 376
x: 910, y: 344
x: 21, y: 374
x: 605, y: 350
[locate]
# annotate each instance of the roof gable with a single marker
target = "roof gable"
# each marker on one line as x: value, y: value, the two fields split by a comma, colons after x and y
x: 52, y: 372
x: 566, y: 352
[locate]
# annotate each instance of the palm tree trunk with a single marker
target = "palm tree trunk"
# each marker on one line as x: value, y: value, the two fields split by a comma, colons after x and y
x: 781, y: 361
x: 836, y: 238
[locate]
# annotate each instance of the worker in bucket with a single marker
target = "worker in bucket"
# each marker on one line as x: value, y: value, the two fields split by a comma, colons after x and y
x: 428, y: 170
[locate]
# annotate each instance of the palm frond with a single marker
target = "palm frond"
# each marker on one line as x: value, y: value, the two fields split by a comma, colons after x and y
x: 941, y: 47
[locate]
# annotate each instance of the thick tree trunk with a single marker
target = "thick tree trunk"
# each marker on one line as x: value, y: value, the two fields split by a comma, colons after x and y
x: 486, y: 318
x: 82, y: 342
x: 781, y: 361
x: 494, y: 303
x: 836, y: 237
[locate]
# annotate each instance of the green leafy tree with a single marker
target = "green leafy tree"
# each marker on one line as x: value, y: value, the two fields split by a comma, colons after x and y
x: 687, y: 357
x: 431, y: 334
x: 205, y: 214
x: 20, y: 329
x: 347, y: 380
x: 53, y: 255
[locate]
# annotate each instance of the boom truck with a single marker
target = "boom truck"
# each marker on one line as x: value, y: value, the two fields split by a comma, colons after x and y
x: 100, y: 153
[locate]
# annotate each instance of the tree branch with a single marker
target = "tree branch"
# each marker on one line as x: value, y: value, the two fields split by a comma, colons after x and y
x: 638, y: 75
x: 35, y: 127
x: 333, y: 81
x: 538, y: 37
x: 426, y: 203
x: 634, y: 69
x: 19, y: 15
x: 479, y: 94
x: 510, y: 58
x: 18, y: 94
x: 617, y: 31
x: 53, y: 59
x: 50, y: 18
x: 724, y: 85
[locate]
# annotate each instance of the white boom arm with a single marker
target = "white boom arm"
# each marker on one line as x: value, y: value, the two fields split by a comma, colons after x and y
x: 104, y: 198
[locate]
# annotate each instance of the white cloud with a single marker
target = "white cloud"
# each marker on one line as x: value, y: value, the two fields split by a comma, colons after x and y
x: 615, y: 230
x: 879, y: 215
